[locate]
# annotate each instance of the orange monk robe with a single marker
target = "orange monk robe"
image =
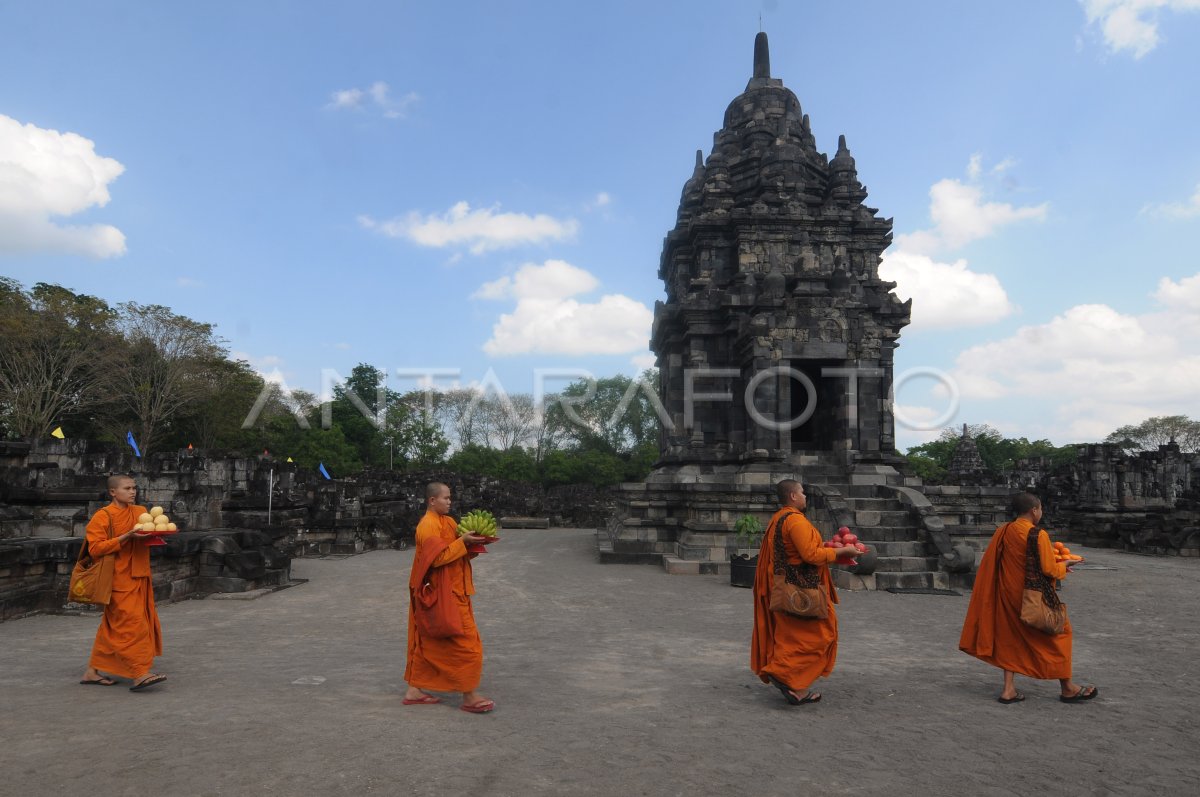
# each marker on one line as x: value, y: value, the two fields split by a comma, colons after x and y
x: 993, y: 631
x: 794, y: 650
x: 129, y: 636
x: 454, y: 664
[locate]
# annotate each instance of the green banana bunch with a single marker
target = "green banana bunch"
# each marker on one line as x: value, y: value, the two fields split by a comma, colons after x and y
x: 479, y: 521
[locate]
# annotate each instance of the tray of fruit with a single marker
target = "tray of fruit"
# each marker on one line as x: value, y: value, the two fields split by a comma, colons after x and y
x: 1063, y: 555
x: 156, y: 524
x: 481, y: 523
x: 847, y: 545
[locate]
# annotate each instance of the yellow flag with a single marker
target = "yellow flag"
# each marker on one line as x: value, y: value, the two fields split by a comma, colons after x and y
x: 289, y: 459
x: 58, y: 432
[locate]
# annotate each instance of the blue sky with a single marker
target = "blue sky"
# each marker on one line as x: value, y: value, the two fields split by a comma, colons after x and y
x: 486, y: 185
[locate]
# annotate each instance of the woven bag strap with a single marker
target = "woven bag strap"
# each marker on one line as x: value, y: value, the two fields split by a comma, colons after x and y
x: 803, y: 576
x: 1034, y: 577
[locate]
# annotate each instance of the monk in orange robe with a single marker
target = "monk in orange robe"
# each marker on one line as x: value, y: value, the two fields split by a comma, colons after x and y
x: 445, y: 663
x: 787, y: 651
x: 993, y: 631
x: 129, y: 636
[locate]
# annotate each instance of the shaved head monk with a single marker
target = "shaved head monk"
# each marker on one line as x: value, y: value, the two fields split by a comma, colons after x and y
x: 444, y: 660
x: 129, y: 636
x: 786, y: 651
x: 993, y: 631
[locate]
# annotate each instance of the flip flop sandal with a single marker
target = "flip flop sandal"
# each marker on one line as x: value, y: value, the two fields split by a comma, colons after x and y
x: 151, y: 681
x: 426, y: 700
x: 98, y: 682
x: 1010, y: 700
x: 1080, y: 696
x: 787, y: 692
x: 482, y: 707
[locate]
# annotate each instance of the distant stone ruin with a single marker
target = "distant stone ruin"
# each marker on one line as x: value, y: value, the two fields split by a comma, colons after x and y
x: 242, y: 519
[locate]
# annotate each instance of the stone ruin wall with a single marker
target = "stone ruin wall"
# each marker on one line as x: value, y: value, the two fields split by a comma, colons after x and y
x: 49, y: 490
x: 1147, y: 502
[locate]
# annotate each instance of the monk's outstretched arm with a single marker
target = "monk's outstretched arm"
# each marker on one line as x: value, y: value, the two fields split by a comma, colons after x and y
x: 807, y: 541
x: 1051, y: 568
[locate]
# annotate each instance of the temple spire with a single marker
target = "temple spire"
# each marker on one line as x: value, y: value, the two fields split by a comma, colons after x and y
x: 762, y: 57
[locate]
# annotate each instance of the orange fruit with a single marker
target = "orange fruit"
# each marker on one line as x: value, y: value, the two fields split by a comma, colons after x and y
x: 1058, y: 545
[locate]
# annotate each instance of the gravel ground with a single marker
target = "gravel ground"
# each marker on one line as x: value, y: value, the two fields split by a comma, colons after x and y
x: 609, y: 680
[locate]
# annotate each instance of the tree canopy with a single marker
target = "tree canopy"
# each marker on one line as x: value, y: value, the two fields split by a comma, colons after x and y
x: 1000, y: 454
x: 71, y: 360
x: 1160, y: 430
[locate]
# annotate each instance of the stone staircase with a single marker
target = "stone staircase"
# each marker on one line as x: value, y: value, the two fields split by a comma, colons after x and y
x: 683, y: 522
x: 902, y: 560
x: 890, y: 517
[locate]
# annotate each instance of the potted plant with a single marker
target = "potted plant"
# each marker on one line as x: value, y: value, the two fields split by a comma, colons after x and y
x: 749, y: 533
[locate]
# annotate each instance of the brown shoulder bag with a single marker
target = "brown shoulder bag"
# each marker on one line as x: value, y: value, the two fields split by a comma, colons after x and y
x: 1040, y: 604
x: 92, y: 579
x: 798, y: 591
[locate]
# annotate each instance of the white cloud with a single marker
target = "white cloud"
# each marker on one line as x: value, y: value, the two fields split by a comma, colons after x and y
x: 1183, y: 296
x: 481, y: 230
x: 377, y: 96
x: 1095, y: 367
x: 643, y: 361
x: 975, y: 166
x: 266, y: 366
x: 46, y: 174
x: 548, y: 320
x: 554, y: 279
x: 1176, y: 210
x: 960, y: 215
x: 188, y: 282
x: 600, y: 200
x: 945, y: 295
x: 347, y: 98
x: 1132, y: 24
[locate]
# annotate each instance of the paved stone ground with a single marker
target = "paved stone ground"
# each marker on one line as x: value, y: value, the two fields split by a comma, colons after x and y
x: 609, y: 679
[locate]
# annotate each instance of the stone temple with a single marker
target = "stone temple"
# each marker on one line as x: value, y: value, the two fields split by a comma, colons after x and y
x: 774, y: 347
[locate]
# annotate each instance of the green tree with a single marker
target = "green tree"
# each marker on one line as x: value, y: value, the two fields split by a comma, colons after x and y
x: 615, y: 413
x: 214, y: 419
x: 359, y: 407
x: 166, y: 369
x: 313, y: 446
x: 1160, y: 430
x: 412, y: 434
x: 56, y: 347
x: 931, y: 461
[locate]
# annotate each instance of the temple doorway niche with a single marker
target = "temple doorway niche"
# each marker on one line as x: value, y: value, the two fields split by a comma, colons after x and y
x: 824, y: 426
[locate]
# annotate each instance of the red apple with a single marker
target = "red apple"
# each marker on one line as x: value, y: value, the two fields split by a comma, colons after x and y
x: 843, y: 530
x: 850, y: 538
x: 858, y: 546
x: 828, y: 543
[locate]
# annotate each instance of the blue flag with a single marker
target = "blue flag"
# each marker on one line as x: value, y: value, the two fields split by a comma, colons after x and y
x: 321, y: 468
x: 129, y: 439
